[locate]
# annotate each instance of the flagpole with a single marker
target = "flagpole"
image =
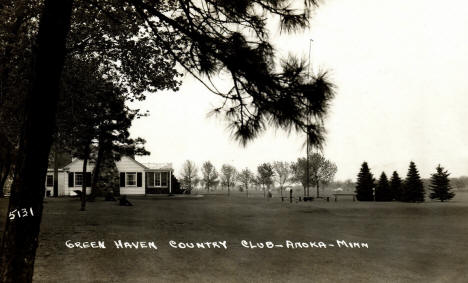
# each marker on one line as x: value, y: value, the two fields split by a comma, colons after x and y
x: 308, y: 123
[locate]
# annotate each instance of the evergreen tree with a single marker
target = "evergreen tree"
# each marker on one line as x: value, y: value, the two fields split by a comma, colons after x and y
x: 382, y: 190
x: 413, y: 188
x: 440, y: 185
x: 396, y: 186
x: 365, y: 184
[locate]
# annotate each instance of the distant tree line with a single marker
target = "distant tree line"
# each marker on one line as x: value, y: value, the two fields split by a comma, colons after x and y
x: 411, y: 189
x: 268, y: 174
x: 460, y: 183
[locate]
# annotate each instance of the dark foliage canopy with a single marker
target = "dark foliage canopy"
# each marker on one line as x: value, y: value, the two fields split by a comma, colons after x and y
x: 16, y: 37
x: 139, y: 43
x: 365, y: 184
x: 119, y: 52
x: 92, y: 111
x: 231, y: 38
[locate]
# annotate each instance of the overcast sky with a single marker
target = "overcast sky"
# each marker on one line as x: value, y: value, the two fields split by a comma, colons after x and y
x: 401, y: 71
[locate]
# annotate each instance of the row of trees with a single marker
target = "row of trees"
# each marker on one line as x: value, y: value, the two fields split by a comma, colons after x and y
x: 459, y: 183
x: 321, y: 171
x: 409, y: 190
x: 228, y: 177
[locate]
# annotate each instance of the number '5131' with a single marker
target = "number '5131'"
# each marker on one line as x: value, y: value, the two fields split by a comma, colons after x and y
x: 20, y: 213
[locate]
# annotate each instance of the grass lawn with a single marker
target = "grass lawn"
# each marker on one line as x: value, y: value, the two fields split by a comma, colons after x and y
x: 407, y: 242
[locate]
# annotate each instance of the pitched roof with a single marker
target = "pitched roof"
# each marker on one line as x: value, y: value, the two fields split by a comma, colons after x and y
x: 133, y: 159
x: 158, y: 166
x: 68, y: 165
x: 147, y: 166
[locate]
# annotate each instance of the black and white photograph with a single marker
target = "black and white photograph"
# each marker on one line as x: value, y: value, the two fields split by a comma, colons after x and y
x: 233, y: 141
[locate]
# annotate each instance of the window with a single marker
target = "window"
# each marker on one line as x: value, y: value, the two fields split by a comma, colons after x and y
x: 131, y: 179
x: 164, y: 179
x: 50, y: 181
x: 150, y: 179
x: 157, y: 179
x: 78, y: 179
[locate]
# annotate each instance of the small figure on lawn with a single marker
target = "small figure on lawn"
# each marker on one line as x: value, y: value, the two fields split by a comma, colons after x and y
x: 124, y: 201
x: 109, y: 197
x: 269, y: 194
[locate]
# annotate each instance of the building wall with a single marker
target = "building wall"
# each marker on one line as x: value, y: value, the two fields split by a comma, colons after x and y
x: 162, y: 189
x: 62, y: 183
x: 128, y: 165
x: 76, y: 167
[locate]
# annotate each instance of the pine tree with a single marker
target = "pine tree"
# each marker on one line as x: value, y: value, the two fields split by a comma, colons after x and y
x: 382, y: 190
x: 440, y: 185
x: 413, y: 188
x: 396, y: 186
x: 365, y: 184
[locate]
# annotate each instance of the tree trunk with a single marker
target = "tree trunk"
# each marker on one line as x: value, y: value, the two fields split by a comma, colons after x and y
x: 55, y: 171
x: 97, y: 172
x: 307, y: 169
x: 85, y: 179
x: 20, y: 238
x: 6, y: 162
x: 116, y: 192
x: 318, y: 194
x: 5, y: 173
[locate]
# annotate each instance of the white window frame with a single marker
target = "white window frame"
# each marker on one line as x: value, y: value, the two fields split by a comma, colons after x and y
x: 157, y: 185
x: 127, y: 179
x: 160, y: 179
x: 167, y: 179
x: 76, y: 178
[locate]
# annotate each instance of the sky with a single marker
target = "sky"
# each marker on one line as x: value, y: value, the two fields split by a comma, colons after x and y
x: 400, y: 68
